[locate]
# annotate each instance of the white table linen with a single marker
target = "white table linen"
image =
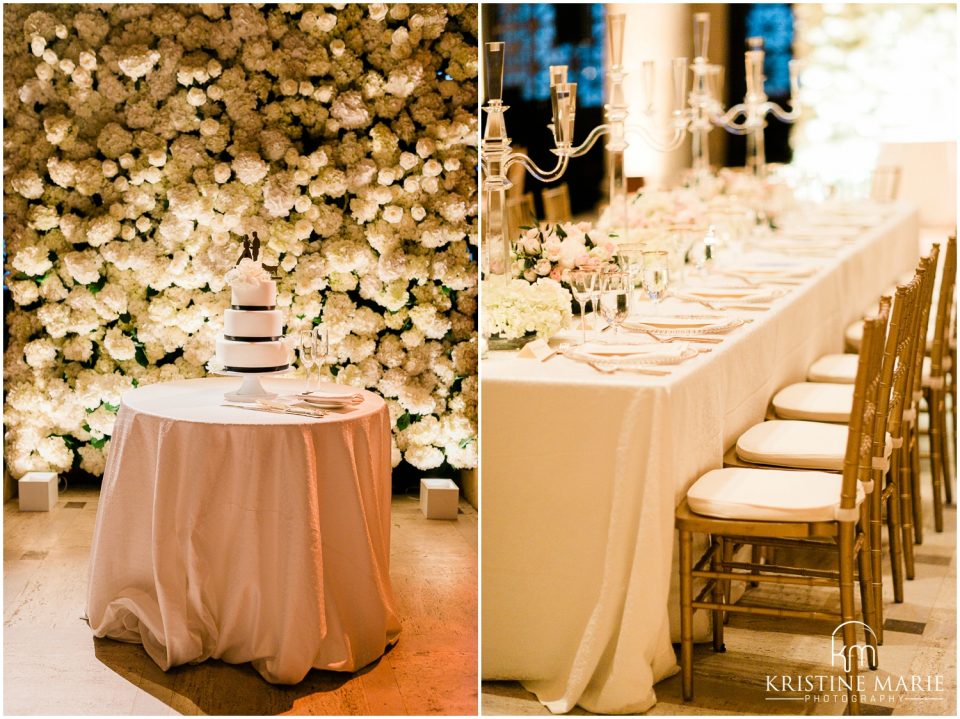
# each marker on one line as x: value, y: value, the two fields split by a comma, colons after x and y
x: 582, y: 472
x: 245, y: 536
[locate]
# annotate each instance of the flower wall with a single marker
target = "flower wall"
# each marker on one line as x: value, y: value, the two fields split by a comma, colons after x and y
x: 142, y: 142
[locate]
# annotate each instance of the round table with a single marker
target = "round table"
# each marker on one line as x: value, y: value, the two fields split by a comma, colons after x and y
x: 243, y: 535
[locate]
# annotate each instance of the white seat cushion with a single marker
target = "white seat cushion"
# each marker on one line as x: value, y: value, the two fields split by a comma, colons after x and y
x: 815, y: 401
x: 840, y: 369
x: 794, y: 443
x: 769, y: 495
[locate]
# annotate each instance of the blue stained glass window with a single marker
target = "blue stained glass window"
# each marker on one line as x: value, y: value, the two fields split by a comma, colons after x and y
x: 774, y: 23
x: 529, y: 30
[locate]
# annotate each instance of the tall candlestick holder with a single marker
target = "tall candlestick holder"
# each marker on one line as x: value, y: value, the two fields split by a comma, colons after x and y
x: 497, y: 157
x: 756, y: 107
x: 616, y: 129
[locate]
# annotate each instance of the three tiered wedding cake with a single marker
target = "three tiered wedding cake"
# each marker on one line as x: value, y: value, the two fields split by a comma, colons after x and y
x: 252, y: 339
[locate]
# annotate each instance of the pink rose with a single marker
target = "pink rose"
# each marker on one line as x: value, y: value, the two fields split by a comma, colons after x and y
x: 556, y: 273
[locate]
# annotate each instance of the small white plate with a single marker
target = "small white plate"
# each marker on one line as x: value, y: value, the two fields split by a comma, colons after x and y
x: 731, y: 294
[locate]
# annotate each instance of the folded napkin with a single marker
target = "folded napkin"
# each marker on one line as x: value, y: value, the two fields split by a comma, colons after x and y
x: 730, y: 294
x: 646, y: 353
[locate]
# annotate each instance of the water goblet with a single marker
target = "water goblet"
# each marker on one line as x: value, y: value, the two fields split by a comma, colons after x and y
x: 583, y: 283
x: 308, y: 351
x: 656, y: 273
x: 615, y: 298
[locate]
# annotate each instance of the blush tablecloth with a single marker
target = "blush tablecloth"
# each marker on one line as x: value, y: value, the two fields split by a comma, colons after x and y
x: 581, y: 473
x: 245, y: 536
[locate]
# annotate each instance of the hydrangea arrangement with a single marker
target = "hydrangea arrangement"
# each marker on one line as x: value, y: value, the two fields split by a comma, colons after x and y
x: 142, y: 142
x: 651, y: 210
x: 548, y: 250
x: 513, y: 308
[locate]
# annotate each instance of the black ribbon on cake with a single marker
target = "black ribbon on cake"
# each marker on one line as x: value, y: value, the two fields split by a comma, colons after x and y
x: 254, y: 370
x: 251, y: 339
x: 253, y: 308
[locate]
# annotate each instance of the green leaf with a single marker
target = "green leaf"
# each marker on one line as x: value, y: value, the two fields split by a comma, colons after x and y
x: 112, y: 408
x: 403, y: 421
x: 98, y: 443
x: 466, y: 441
x: 95, y: 287
x: 86, y: 427
x: 152, y: 292
x: 69, y: 440
x: 135, y: 382
x: 141, y: 356
x: 446, y: 290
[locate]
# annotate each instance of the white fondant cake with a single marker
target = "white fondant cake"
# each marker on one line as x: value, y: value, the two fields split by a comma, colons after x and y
x: 257, y: 326
x: 252, y: 356
x: 262, y: 295
x: 252, y: 338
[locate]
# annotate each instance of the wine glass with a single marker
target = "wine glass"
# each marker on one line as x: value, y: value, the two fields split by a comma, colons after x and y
x: 308, y: 351
x: 630, y: 260
x: 656, y: 273
x: 615, y: 298
x: 583, y: 284
x: 321, y: 343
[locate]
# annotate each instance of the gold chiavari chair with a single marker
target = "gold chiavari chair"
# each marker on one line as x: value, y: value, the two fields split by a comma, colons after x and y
x: 910, y: 458
x: 556, y: 203
x: 801, y: 444
x: 777, y: 508
x: 933, y: 386
x: 830, y: 402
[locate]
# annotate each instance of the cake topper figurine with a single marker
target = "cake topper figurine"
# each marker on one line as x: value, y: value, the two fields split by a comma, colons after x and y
x: 250, y: 250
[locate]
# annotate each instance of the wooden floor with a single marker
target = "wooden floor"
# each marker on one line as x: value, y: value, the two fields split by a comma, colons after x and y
x: 920, y: 638
x: 53, y: 665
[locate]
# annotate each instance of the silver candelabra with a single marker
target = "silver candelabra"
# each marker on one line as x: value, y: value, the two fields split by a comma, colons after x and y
x: 497, y: 157
x: 756, y: 106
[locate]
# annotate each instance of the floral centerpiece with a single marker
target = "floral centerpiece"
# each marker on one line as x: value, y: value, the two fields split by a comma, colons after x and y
x: 142, y: 140
x: 516, y: 311
x: 649, y: 211
x: 548, y: 250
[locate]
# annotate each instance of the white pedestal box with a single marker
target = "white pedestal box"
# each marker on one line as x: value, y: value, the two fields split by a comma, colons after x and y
x: 38, y: 491
x: 439, y: 498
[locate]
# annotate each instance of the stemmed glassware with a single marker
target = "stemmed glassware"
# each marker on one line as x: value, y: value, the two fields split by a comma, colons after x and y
x: 583, y: 282
x: 307, y: 346
x: 629, y: 259
x: 615, y: 298
x: 656, y: 274
x: 321, y: 343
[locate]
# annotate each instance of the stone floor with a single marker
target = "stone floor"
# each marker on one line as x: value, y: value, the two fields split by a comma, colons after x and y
x: 52, y: 664
x: 920, y: 638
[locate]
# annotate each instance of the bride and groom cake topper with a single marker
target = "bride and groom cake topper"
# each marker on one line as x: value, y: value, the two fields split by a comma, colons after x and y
x: 251, y: 250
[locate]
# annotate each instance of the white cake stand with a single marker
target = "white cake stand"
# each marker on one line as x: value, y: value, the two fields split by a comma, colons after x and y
x: 250, y: 389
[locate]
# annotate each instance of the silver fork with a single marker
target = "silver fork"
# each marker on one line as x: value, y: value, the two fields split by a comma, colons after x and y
x: 678, y: 338
x: 637, y: 370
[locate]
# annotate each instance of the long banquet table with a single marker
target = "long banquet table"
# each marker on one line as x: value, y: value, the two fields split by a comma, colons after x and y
x: 582, y: 472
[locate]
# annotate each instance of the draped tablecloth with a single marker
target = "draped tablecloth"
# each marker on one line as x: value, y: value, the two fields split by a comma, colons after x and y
x: 582, y: 471
x: 245, y: 536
